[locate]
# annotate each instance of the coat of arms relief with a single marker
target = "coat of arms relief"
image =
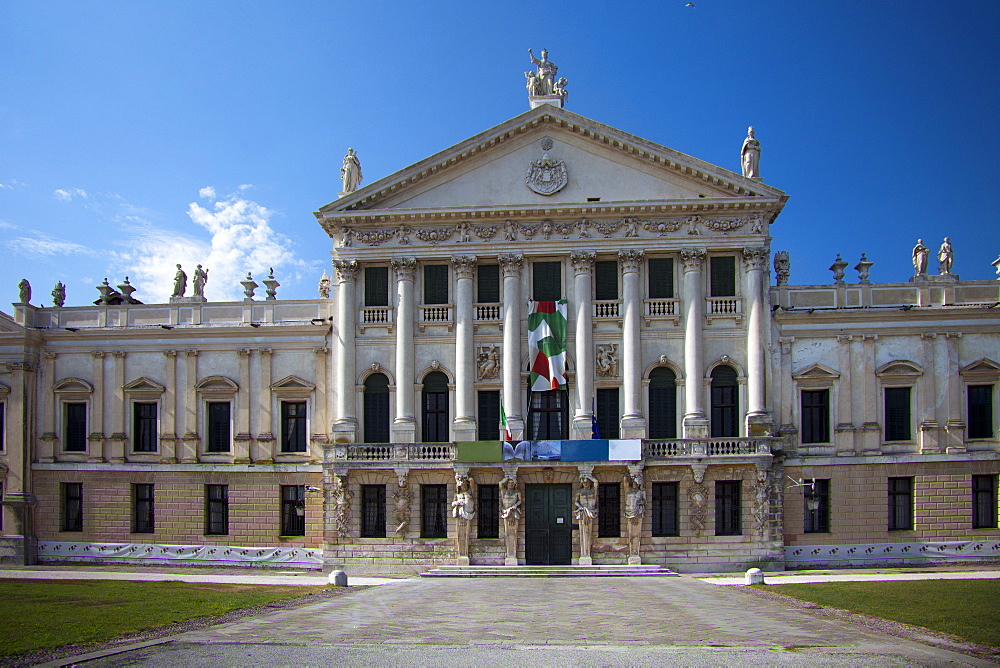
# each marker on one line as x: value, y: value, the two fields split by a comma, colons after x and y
x: 546, y: 176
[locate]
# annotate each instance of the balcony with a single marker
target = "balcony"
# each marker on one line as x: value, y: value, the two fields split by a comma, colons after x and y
x: 607, y: 308
x: 661, y: 309
x: 724, y: 307
x: 376, y: 316
x: 488, y: 312
x: 435, y: 314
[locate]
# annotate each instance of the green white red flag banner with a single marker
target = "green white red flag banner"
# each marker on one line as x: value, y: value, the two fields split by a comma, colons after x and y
x: 547, y: 345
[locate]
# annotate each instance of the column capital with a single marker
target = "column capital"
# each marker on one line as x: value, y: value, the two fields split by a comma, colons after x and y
x: 346, y: 270
x: 630, y: 260
x: 692, y: 258
x: 464, y: 266
x: 97, y: 354
x: 755, y: 258
x: 583, y: 262
x: 510, y: 265
x: 403, y: 267
x: 118, y: 354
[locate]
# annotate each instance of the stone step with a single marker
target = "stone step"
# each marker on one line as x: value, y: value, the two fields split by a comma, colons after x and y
x: 562, y: 571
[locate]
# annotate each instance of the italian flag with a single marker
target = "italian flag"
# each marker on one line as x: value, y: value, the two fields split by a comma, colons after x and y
x: 547, y: 345
x: 507, y: 436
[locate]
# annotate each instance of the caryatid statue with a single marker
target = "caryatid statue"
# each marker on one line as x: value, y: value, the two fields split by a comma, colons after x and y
x: 750, y: 155
x: 350, y: 173
x: 463, y: 509
x: 545, y: 76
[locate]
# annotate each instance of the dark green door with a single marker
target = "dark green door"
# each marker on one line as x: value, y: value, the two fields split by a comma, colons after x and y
x: 548, y: 527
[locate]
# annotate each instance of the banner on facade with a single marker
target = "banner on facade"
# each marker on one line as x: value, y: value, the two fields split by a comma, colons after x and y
x: 547, y: 345
x: 590, y: 450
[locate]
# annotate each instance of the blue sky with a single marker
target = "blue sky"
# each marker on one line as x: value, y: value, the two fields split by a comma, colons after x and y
x: 135, y: 135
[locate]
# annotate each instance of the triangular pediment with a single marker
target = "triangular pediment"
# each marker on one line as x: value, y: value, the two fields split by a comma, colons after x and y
x: 7, y: 324
x: 72, y: 385
x: 4, y: 390
x: 293, y: 384
x: 143, y: 384
x: 816, y: 372
x: 982, y: 367
x: 606, y: 169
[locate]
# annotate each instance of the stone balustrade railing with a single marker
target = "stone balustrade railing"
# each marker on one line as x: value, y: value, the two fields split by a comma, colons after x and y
x: 607, y: 308
x: 488, y: 311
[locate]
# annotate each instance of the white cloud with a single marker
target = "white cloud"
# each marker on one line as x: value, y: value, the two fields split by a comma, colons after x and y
x: 68, y: 195
x: 11, y: 184
x: 208, y: 192
x: 40, y: 246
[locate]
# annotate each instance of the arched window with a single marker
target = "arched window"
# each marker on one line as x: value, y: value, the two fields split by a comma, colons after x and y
x: 725, y: 402
x: 662, y: 403
x: 376, y: 409
x: 435, y: 403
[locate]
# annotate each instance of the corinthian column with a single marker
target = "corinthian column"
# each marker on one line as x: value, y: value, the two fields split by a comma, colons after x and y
x: 345, y: 423
x: 695, y: 420
x: 404, y: 427
x: 583, y: 282
x: 465, y: 357
x: 754, y: 261
x: 510, y: 265
x: 633, y: 424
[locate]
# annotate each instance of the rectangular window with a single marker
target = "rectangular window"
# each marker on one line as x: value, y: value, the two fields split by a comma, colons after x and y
x: 727, y: 508
x: 897, y: 414
x: 661, y: 278
x: 218, y: 426
x: 72, y: 506
x: 548, y: 415
x: 142, y: 509
x: 606, y: 280
x: 816, y: 508
x: 376, y: 286
x: 372, y: 511
x: 436, y: 284
x: 489, y: 415
x: 75, y: 427
x: 723, y: 276
x: 546, y: 281
x: 293, y: 426
x: 3, y: 433
x: 980, y: 411
x: 609, y: 510
x: 984, y: 502
x: 488, y: 503
x: 815, y: 416
x: 900, y: 504
x: 434, y: 511
x: 144, y: 427
x: 216, y: 510
x: 293, y: 510
x: 664, y: 509
x: 608, y: 412
x: 488, y: 283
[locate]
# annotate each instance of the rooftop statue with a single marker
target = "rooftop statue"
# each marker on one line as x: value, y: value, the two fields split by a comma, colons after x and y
x: 24, y: 291
x: 946, y: 257
x: 350, y: 173
x: 920, y: 253
x: 199, y: 281
x: 180, y: 282
x: 546, y: 74
x: 750, y: 155
x: 59, y: 294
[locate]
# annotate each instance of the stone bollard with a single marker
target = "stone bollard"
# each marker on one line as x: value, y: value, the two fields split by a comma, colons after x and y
x: 338, y: 579
x: 754, y: 576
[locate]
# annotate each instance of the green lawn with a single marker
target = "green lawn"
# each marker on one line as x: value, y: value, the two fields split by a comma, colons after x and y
x: 964, y: 608
x: 49, y: 613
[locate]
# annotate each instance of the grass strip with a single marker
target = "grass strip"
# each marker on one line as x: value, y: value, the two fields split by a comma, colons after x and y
x: 51, y: 613
x: 963, y: 608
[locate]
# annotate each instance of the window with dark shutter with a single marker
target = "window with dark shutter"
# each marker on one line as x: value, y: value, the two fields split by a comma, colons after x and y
x: 434, y: 511
x: 376, y: 401
x: 980, y: 398
x: 725, y: 404
x: 488, y: 507
x: 293, y: 510
x: 142, y: 509
x: 76, y: 427
x: 489, y: 415
x: 662, y: 403
x: 376, y: 286
x: 144, y: 427
x: 548, y: 415
x: 606, y: 280
x: 661, y: 277
x: 816, y: 506
x: 608, y: 412
x: 435, y: 407
x: 727, y: 508
x: 293, y: 426
x: 984, y: 502
x: 436, y: 284
x: 609, y: 510
x: 897, y: 414
x: 372, y: 511
x: 815, y: 416
x: 216, y: 510
x: 218, y: 426
x: 488, y: 283
x: 900, y: 504
x: 546, y: 283
x: 723, y: 276
x: 72, y: 506
x: 664, y: 509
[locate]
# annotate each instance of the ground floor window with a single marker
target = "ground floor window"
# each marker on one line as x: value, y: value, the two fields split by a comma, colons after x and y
x: 984, y: 502
x: 142, y: 509
x: 664, y: 508
x: 293, y: 510
x: 900, y: 504
x: 216, y: 510
x: 609, y: 510
x: 727, y: 508
x: 434, y: 511
x: 72, y: 506
x: 816, y: 507
x: 488, y: 511
x: 372, y: 511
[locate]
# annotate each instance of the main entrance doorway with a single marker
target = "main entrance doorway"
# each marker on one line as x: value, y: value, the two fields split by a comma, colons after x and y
x: 548, y: 526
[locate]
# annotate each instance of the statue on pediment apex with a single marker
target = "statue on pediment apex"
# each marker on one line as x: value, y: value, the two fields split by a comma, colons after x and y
x: 545, y: 75
x: 750, y: 155
x: 350, y: 173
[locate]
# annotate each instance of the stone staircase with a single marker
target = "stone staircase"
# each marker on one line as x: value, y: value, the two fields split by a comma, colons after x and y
x: 567, y: 571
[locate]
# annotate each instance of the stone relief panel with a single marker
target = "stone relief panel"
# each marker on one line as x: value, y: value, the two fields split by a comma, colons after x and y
x: 607, y: 360
x: 488, y: 362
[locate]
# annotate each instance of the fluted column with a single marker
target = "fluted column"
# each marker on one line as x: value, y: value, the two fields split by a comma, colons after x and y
x: 633, y: 424
x: 583, y: 283
x: 695, y: 419
x: 757, y: 419
x: 345, y: 423
x: 404, y: 427
x: 465, y: 355
x: 510, y: 265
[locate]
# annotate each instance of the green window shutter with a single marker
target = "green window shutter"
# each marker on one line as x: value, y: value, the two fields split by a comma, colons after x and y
x: 546, y: 281
x: 376, y: 286
x: 723, y: 276
x: 488, y: 283
x: 606, y: 280
x: 661, y: 278
x: 489, y: 415
x: 436, y: 284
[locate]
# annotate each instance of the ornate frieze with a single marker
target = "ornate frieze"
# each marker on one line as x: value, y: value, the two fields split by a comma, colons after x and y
x: 433, y: 235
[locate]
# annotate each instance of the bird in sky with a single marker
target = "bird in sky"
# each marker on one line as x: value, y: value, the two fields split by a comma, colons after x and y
x: 690, y: 4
